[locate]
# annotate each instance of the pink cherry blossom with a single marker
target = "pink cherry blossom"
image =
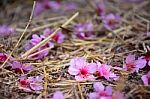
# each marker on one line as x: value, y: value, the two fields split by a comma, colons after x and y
x: 19, y: 67
x: 23, y: 80
x: 24, y: 83
x: 111, y: 21
x: 146, y: 78
x: 34, y: 41
x: 132, y: 65
x: 35, y: 83
x: 6, y: 30
x: 101, y: 8
x: 59, y: 37
x: 3, y: 57
x: 58, y: 95
x: 101, y: 92
x: 103, y: 70
x: 43, y: 5
x: 147, y: 57
x: 31, y: 83
x: 83, y: 31
x: 81, y: 69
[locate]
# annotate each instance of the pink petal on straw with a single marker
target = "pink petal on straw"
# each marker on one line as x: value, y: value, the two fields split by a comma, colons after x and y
x: 144, y: 79
x: 98, y: 86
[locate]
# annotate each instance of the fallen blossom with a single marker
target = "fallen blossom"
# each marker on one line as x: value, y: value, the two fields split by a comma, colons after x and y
x: 146, y: 78
x: 147, y: 57
x: 43, y: 5
x: 35, y: 83
x: 19, y: 67
x: 100, y: 8
x: 59, y: 37
x: 34, y: 41
x: 101, y: 92
x: 111, y: 21
x: 23, y: 80
x: 58, y: 95
x: 132, y: 65
x: 6, y: 30
x: 24, y: 83
x: 81, y: 69
x: 83, y: 31
x: 104, y: 70
x: 3, y: 57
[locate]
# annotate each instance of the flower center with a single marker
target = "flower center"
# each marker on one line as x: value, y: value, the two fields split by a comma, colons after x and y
x: 112, y: 22
x: 18, y: 71
x: 56, y: 37
x: 103, y: 93
x: 24, y: 82
x: 147, y: 57
x: 148, y: 80
x: 3, y: 58
x: 130, y: 66
x: 83, y: 71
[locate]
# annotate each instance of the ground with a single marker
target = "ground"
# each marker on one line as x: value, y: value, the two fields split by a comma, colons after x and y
x: 109, y: 47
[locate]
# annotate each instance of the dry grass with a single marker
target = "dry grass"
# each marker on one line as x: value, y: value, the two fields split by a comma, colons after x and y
x: 109, y: 47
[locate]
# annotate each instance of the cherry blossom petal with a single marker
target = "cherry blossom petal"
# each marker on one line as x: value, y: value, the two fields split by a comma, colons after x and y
x: 73, y: 71
x: 141, y: 62
x: 78, y: 62
x: 90, y: 77
x: 27, y: 67
x: 58, y: 95
x: 148, y: 34
x: 144, y: 79
x: 98, y: 86
x: 92, y: 67
x: 93, y: 95
x: 38, y: 8
x: 79, y: 78
x: 16, y: 64
x: 130, y: 58
x: 148, y: 63
x: 109, y: 90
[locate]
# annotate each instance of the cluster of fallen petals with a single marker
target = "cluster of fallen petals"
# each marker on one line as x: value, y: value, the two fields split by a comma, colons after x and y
x: 54, y: 5
x: 82, y: 70
x: 84, y: 30
x: 110, y: 20
x: 58, y: 38
x: 79, y: 68
x: 31, y: 83
x: 102, y: 92
x: 20, y: 67
x: 132, y: 64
